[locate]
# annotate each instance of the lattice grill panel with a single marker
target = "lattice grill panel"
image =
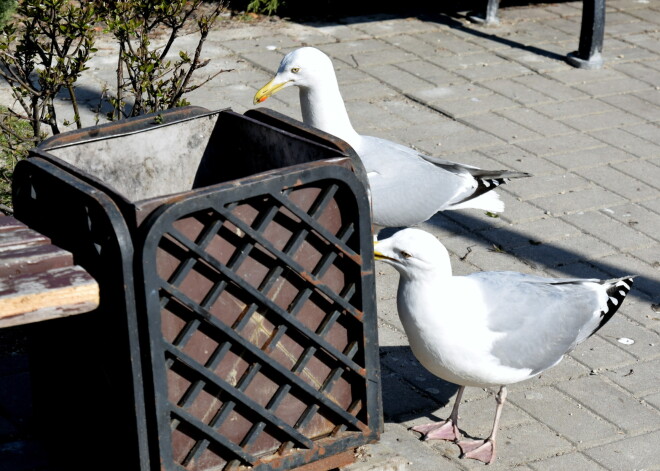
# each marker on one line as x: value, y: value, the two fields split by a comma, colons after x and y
x: 261, y: 344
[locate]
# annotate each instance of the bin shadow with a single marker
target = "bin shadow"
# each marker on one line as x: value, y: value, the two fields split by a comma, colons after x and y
x: 409, y: 390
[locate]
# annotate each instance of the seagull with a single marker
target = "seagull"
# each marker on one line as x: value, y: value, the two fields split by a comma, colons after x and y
x: 489, y: 328
x: 407, y: 187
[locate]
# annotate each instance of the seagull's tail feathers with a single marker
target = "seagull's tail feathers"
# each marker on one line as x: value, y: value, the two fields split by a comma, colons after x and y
x: 617, y: 290
x: 482, y: 197
x: 489, y: 201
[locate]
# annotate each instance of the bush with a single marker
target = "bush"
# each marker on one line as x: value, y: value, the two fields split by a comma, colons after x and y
x: 46, y: 49
x: 6, y: 9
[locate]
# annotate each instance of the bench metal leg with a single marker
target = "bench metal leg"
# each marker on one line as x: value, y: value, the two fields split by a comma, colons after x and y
x: 490, y: 18
x: 588, y: 55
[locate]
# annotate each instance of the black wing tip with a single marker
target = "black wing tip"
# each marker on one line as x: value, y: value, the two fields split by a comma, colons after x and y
x: 617, y: 291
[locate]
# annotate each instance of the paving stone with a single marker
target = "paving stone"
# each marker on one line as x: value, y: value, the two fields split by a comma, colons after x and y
x: 618, y: 182
x: 646, y: 344
x: 599, y: 354
x: 608, y: 120
x: 552, y: 88
x: 630, y: 453
x: 530, y: 233
x: 582, y: 247
x: 574, y: 201
x: 400, y: 450
x: 457, y: 90
x: 609, y: 230
x: 521, y: 160
x: 554, y: 145
x: 617, y: 86
x: 626, y: 139
x: 548, y: 185
x: 576, y: 461
x: 643, y: 171
x: 612, y: 404
x: 489, y: 71
x: 517, y: 92
x: 585, y: 159
x: 501, y: 127
x: 642, y: 381
x: 474, y: 105
x: 574, y: 108
x: 636, y: 104
x: 399, y: 76
x: 564, y: 415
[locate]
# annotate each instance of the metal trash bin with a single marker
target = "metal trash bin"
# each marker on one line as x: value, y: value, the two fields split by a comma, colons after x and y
x: 237, y: 324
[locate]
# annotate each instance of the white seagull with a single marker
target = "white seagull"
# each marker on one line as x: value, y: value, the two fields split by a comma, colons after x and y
x: 407, y: 187
x: 489, y: 328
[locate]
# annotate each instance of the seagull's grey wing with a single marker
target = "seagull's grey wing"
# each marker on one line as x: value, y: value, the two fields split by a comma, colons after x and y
x: 541, y: 319
x: 405, y: 188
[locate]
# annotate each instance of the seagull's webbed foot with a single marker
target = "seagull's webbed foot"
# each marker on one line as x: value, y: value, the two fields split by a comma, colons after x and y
x: 446, y: 430
x: 481, y: 450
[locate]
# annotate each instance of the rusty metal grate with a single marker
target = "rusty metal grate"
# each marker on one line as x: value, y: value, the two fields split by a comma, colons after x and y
x: 255, y: 303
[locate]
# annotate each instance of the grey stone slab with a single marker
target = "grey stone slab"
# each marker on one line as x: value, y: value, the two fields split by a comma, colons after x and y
x: 574, y: 108
x: 457, y: 90
x: 501, y: 127
x: 517, y: 91
x: 489, y: 71
x: 553, y: 88
x: 519, y: 159
x: 599, y: 354
x: 638, y: 217
x: 547, y: 185
x: 646, y: 344
x: 578, y: 248
x: 564, y: 415
x: 636, y: 104
x: 473, y: 105
x: 640, y: 378
x: 543, y: 230
x: 537, y: 122
x: 627, y: 140
x: 400, y: 450
x: 618, y: 182
x: 608, y: 120
x: 553, y: 145
x: 399, y: 76
x: 577, y: 200
x: 617, y: 86
x: 585, y: 159
x: 613, y: 404
x: 642, y: 171
x: 609, y: 230
x: 575, y: 461
x: 637, y: 453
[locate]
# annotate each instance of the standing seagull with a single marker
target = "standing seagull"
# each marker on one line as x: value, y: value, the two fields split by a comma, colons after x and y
x: 489, y: 328
x: 407, y: 187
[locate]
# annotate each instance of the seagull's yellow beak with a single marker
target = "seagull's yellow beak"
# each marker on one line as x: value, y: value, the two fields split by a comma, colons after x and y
x: 380, y: 256
x: 267, y: 90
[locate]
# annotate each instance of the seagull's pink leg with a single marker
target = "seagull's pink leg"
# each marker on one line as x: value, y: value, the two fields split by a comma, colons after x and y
x: 445, y: 430
x: 484, y: 450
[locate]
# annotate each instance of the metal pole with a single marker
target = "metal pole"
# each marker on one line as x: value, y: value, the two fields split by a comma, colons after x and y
x: 588, y: 55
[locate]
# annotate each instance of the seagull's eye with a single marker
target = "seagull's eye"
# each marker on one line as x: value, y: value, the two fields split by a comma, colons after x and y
x: 295, y: 70
x: 405, y: 254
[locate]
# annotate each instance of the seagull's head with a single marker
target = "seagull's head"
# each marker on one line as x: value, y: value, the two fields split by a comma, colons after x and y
x: 305, y: 68
x: 414, y: 252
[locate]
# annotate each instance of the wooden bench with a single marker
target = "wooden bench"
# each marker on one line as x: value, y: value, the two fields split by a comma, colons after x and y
x: 588, y: 55
x: 39, y: 281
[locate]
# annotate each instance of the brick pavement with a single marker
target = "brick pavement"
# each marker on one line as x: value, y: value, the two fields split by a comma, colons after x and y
x: 504, y: 98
